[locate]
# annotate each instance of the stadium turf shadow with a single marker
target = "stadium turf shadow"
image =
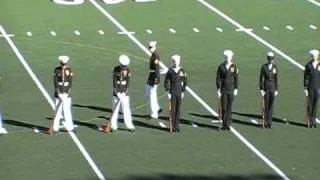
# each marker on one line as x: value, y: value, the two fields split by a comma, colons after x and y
x: 97, y: 108
x: 274, y: 119
x: 42, y: 129
x: 203, y: 177
x: 233, y: 119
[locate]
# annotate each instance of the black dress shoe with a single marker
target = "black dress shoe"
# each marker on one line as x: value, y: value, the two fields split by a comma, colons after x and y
x: 132, y: 130
x: 228, y: 128
x: 314, y: 126
x: 224, y: 128
x: 159, y: 111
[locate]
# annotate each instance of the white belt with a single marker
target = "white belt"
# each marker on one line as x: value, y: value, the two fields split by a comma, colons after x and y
x: 63, y: 83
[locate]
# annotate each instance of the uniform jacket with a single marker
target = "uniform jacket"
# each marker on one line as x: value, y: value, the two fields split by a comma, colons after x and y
x: 154, y: 74
x: 227, y: 79
x: 269, y: 78
x: 175, y: 82
x: 62, y: 79
x: 311, y: 76
x: 121, y: 79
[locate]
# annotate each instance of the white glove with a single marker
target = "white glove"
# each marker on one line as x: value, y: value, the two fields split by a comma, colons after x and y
x: 276, y: 93
x: 119, y: 95
x: 219, y: 93
x: 306, y: 92
x: 235, y: 92
x: 169, y: 96
x: 63, y: 96
x: 262, y: 92
x: 182, y: 95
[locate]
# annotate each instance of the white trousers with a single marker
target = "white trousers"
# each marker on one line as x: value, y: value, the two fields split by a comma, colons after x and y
x: 63, y: 110
x: 151, y: 92
x: 125, y: 106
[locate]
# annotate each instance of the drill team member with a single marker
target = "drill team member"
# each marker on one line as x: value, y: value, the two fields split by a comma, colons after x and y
x: 227, y: 87
x: 312, y: 86
x: 2, y: 129
x: 175, y: 84
x: 62, y: 83
x: 121, y: 80
x: 153, y: 81
x: 268, y: 88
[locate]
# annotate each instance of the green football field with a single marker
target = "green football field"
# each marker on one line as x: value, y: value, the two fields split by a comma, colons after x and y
x: 95, y: 34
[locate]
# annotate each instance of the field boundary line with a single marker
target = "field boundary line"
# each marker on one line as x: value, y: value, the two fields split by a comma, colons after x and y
x: 314, y: 2
x: 234, y: 131
x: 50, y: 101
x: 262, y: 41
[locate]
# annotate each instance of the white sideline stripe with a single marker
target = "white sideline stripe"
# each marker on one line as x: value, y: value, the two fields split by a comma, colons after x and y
x: 50, y: 101
x: 254, y: 121
x: 130, y: 32
x: 135, y: 40
x: 262, y: 41
x: 314, y: 2
x: 10, y: 35
x: 256, y: 151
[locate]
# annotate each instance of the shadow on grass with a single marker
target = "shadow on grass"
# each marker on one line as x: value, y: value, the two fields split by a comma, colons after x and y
x: 233, y: 120
x: 141, y: 123
x: 42, y: 129
x: 275, y: 119
x: 97, y: 108
x: 203, y: 177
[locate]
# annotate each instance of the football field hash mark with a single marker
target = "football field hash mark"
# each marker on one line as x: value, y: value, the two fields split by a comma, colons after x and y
x: 266, y: 28
x: 219, y: 29
x: 148, y: 31
x: 195, y: 30
x: 289, y: 27
x: 101, y: 32
x: 53, y: 33
x: 313, y: 27
x: 173, y: 31
x: 76, y: 32
x: 29, y: 33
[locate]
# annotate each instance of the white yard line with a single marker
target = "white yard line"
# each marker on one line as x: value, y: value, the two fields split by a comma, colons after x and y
x: 250, y: 33
x: 50, y: 101
x: 224, y: 16
x: 314, y: 2
x: 235, y: 132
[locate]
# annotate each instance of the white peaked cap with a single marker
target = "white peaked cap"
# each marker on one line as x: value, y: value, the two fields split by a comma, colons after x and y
x: 124, y: 60
x: 228, y: 54
x: 270, y: 54
x: 314, y: 53
x: 63, y: 59
x: 176, y: 58
x: 152, y: 43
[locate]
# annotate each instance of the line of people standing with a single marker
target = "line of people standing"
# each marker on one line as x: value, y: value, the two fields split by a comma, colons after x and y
x: 227, y: 81
x: 175, y: 83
